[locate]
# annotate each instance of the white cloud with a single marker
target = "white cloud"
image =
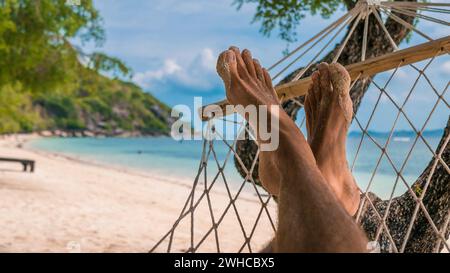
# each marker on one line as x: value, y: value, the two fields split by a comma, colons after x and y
x: 446, y: 67
x: 169, y: 68
x: 199, y: 74
x: 207, y: 59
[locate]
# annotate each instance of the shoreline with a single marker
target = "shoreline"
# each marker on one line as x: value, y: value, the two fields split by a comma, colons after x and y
x: 74, y: 205
x: 109, y: 166
x: 146, y: 174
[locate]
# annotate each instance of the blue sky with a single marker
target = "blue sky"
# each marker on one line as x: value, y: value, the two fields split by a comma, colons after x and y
x: 172, y: 46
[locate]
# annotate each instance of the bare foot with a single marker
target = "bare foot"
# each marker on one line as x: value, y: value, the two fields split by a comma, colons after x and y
x: 328, y: 109
x: 246, y: 82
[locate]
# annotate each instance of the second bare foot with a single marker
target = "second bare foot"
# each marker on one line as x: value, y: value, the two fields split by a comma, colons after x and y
x: 328, y: 109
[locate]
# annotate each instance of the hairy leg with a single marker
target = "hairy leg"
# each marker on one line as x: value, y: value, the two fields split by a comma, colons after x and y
x: 311, y: 218
x: 328, y: 109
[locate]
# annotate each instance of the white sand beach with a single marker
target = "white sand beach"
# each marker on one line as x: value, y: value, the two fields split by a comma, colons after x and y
x: 68, y: 205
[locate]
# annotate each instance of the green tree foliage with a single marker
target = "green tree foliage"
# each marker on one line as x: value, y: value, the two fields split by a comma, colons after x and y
x: 286, y: 15
x: 17, y: 113
x: 48, y: 83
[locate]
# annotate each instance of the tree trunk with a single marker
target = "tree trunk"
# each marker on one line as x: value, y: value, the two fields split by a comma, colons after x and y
x: 437, y: 198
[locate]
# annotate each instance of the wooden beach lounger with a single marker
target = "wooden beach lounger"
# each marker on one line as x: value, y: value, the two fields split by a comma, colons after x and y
x: 25, y: 162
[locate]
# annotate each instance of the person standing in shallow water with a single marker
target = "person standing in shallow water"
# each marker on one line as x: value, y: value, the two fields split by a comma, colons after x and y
x: 317, y: 194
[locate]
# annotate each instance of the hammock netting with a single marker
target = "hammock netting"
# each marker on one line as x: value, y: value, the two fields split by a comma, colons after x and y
x: 400, y: 212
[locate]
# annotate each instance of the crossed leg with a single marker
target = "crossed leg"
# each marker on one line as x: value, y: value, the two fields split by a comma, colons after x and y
x: 312, y: 217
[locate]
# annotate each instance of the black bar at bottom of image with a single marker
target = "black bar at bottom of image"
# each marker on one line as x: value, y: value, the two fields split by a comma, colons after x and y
x: 187, y: 263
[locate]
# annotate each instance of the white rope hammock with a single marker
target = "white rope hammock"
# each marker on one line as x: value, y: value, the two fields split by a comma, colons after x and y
x: 257, y: 226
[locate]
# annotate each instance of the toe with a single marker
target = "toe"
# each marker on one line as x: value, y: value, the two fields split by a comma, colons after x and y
x: 268, y: 82
x: 323, y: 96
x: 325, y: 84
x: 259, y: 71
x: 226, y: 65
x: 241, y: 66
x: 316, y: 89
x: 267, y: 78
x: 313, y: 101
x: 248, y: 60
x: 308, y: 113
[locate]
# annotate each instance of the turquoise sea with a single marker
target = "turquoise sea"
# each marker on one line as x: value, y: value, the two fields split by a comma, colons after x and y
x: 165, y: 156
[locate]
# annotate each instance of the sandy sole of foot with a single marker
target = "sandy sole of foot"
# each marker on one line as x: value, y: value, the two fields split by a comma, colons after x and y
x: 68, y: 205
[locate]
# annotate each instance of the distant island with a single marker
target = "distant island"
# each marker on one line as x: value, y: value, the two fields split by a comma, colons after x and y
x: 399, y: 133
x: 96, y: 106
